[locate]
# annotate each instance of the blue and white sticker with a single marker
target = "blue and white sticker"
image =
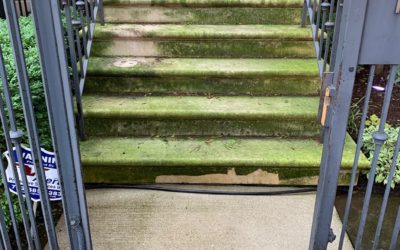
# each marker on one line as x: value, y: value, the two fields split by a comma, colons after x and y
x: 50, y: 169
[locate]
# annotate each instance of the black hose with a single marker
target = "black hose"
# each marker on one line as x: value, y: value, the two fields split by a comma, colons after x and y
x: 196, y: 191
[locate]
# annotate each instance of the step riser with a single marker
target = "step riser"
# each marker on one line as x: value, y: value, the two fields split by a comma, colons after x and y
x: 205, y: 48
x: 288, y: 86
x: 177, y: 127
x: 159, y: 15
x: 195, y: 174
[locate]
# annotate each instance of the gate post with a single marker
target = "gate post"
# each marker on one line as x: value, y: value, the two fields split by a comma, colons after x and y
x: 50, y: 38
x: 334, y: 136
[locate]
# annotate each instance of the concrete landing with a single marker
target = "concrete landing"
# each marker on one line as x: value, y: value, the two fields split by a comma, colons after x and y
x: 140, y: 219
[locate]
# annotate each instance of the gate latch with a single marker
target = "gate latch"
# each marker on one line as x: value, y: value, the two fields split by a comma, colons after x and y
x: 398, y: 7
x: 329, y: 93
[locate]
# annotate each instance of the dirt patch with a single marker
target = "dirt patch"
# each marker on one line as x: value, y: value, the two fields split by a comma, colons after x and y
x: 377, y: 95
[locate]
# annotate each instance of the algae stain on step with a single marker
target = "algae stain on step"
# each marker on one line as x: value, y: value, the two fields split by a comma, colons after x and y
x: 125, y: 63
x: 257, y: 177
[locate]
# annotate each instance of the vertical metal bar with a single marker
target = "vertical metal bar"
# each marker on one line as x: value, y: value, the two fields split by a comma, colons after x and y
x: 34, y: 143
x: 81, y: 5
x: 379, y: 138
x: 74, y: 8
x: 314, y: 9
x: 325, y: 6
x: 336, y: 33
x: 75, y: 77
x: 329, y: 27
x: 101, y: 11
x: 357, y: 155
x: 4, y: 80
x: 22, y: 74
x: 317, y: 21
x: 59, y: 102
x: 304, y: 14
x: 396, y: 231
x: 334, y: 139
x: 92, y: 15
x: 75, y: 23
x: 3, y: 227
x: 87, y: 12
x: 393, y: 167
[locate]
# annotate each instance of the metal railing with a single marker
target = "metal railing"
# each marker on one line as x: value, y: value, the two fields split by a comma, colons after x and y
x: 324, y: 17
x: 81, y: 17
x: 64, y: 35
x: 357, y: 46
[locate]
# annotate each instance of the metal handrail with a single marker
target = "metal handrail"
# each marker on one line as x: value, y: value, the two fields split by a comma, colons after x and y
x: 324, y: 17
x: 81, y: 17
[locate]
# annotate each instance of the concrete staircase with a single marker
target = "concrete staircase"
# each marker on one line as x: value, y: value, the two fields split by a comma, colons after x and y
x: 196, y: 91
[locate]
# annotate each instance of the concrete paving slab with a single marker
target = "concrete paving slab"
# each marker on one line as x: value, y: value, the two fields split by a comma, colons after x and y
x: 143, y: 219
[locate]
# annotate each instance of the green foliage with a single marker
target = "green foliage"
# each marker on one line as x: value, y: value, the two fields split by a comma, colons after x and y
x: 4, y: 206
x: 354, y: 119
x: 387, y: 151
x: 398, y: 76
x: 35, y: 79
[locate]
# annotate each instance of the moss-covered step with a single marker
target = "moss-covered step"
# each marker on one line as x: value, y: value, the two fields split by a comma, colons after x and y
x: 286, y: 72
x: 210, y: 3
x: 201, y: 116
x: 203, y: 76
x: 208, y: 160
x: 210, y: 41
x: 198, y: 15
x: 211, y: 86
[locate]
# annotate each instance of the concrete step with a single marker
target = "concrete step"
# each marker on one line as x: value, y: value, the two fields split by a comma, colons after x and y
x: 273, y: 161
x: 209, y: 3
x: 201, y: 15
x: 209, y: 41
x: 133, y: 75
x: 204, y: 12
x: 201, y: 116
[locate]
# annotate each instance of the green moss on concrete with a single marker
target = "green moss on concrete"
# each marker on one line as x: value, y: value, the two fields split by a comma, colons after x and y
x: 289, y: 86
x: 101, y: 66
x: 209, y: 3
x: 199, y: 116
x: 201, y: 127
x: 196, y: 107
x: 141, y: 160
x: 205, y: 49
x: 278, y: 32
x: 212, y: 41
x: 192, y: 15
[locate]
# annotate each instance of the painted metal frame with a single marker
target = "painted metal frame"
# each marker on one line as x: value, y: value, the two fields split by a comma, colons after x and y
x: 52, y: 42
x: 349, y: 38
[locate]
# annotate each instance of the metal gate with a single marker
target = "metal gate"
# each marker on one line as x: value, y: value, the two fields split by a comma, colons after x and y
x: 57, y: 26
x: 347, y: 35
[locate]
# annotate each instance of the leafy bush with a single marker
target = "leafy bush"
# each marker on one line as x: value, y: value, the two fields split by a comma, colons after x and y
x: 35, y: 79
x: 37, y: 91
x: 387, y: 150
x: 4, y: 206
x: 398, y: 77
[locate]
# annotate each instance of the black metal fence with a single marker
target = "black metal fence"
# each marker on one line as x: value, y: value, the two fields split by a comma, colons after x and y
x: 63, y: 46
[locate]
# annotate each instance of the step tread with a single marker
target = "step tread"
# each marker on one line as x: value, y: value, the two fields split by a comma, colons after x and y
x: 194, y: 107
x: 163, y: 152
x: 135, y: 31
x: 259, y: 3
x: 135, y: 66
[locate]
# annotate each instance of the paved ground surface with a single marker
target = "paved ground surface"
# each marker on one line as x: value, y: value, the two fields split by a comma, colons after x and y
x: 142, y: 219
